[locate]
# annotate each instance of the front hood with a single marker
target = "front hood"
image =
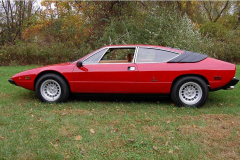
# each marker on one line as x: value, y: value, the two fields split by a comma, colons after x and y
x: 55, y: 67
x: 60, y: 64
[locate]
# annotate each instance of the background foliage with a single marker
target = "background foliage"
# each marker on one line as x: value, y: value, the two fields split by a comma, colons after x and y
x: 59, y: 31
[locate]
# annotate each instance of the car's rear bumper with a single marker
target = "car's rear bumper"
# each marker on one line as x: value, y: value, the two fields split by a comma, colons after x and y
x: 229, y: 85
x: 12, y: 82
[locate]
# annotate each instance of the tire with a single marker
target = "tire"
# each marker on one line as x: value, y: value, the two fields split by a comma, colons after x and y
x: 52, y: 88
x: 190, y: 91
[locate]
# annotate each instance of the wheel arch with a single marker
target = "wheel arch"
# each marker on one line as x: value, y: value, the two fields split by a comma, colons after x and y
x: 53, y: 72
x: 194, y: 75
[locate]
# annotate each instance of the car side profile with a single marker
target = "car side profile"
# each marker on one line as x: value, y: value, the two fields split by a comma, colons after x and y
x: 132, y: 69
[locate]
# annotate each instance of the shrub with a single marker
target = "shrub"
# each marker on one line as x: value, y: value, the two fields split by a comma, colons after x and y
x: 155, y: 27
x: 158, y: 27
x: 225, y: 42
x: 214, y: 30
x: 227, y: 50
x: 32, y: 53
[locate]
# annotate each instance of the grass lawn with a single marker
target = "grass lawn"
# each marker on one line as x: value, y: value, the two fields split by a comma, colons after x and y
x: 117, y: 128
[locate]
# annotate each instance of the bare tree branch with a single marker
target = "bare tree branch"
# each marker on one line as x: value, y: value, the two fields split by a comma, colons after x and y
x: 208, y: 12
x: 219, y: 15
x: 13, y: 15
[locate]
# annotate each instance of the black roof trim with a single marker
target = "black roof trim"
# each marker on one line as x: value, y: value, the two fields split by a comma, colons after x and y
x: 188, y: 57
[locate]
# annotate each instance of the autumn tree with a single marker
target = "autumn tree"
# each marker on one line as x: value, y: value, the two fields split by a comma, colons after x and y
x: 215, y: 9
x: 83, y: 26
x: 77, y: 21
x: 14, y: 17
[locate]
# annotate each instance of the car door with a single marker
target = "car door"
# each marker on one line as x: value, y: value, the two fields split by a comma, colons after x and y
x: 155, y: 75
x: 101, y: 73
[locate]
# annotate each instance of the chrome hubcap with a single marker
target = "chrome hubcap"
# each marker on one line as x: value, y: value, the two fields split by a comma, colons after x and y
x: 190, y: 93
x: 50, y: 90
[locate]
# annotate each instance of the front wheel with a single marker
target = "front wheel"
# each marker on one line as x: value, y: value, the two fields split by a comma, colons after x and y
x: 52, y: 88
x: 190, y: 91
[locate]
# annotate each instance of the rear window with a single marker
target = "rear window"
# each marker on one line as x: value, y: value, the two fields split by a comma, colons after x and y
x: 154, y: 55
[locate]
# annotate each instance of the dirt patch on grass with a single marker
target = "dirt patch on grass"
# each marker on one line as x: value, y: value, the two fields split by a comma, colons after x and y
x: 220, y: 134
x: 153, y: 130
x: 70, y: 130
x: 79, y: 112
x: 4, y: 95
x: 71, y: 112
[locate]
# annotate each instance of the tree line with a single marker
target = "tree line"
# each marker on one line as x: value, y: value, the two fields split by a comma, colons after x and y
x: 209, y: 26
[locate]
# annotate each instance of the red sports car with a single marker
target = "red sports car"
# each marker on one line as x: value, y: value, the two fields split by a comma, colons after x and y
x: 132, y: 69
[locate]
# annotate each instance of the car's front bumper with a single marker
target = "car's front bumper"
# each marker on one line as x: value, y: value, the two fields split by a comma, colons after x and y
x: 12, y: 82
x: 229, y: 85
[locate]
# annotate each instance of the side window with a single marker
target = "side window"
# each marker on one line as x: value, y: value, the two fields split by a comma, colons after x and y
x: 95, y: 58
x: 154, y: 55
x: 118, y: 55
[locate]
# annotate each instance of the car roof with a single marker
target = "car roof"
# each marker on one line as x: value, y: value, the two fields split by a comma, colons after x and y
x: 146, y: 46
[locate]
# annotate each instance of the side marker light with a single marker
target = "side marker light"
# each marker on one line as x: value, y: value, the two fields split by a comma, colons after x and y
x: 27, y: 77
x: 218, y: 78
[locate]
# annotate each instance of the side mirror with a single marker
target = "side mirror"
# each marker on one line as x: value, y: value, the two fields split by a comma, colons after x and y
x: 79, y: 64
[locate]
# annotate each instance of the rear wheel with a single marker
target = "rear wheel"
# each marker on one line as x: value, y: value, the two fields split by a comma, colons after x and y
x: 190, y: 91
x: 52, y: 88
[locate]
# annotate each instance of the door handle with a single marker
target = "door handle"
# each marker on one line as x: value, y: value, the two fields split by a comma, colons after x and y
x: 131, y: 68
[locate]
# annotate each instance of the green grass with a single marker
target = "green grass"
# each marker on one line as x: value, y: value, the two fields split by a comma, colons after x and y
x: 116, y: 128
